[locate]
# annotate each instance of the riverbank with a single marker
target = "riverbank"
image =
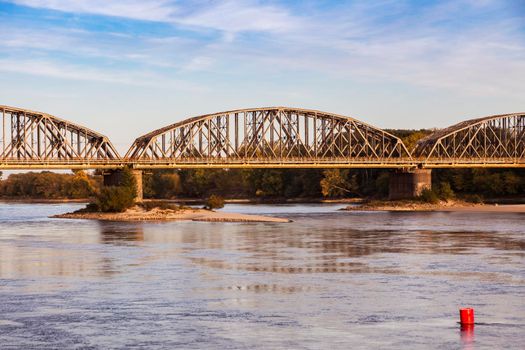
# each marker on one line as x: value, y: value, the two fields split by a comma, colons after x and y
x: 183, y: 214
x: 44, y: 200
x: 256, y: 200
x: 191, y: 201
x: 445, y: 206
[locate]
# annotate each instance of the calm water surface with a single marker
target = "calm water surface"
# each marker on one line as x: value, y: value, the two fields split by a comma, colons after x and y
x: 329, y: 280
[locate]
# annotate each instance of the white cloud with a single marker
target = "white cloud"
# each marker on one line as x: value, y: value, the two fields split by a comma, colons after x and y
x: 239, y: 16
x: 475, y: 58
x: 227, y: 16
x: 45, y: 68
x: 97, y: 47
x: 152, y: 10
x: 199, y: 63
x: 381, y: 42
x: 78, y: 72
x: 15, y: 38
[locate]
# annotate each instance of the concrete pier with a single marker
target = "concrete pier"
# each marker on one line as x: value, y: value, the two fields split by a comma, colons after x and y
x: 114, y: 178
x: 406, y: 184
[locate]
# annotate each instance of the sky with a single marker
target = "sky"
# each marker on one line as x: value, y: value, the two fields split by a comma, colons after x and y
x: 127, y: 67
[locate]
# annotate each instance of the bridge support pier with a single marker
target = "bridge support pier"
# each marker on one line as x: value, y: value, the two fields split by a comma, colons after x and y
x: 114, y: 178
x: 406, y: 184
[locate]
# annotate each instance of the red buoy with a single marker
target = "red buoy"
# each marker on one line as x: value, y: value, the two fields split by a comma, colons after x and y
x: 466, y: 316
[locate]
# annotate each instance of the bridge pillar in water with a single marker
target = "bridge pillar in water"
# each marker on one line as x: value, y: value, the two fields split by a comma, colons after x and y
x: 114, y: 178
x: 406, y: 184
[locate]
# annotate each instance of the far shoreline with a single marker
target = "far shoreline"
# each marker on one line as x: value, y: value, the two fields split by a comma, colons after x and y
x: 443, y: 206
x: 45, y: 201
x: 193, y: 201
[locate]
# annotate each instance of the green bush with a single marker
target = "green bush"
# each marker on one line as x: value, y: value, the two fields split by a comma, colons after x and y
x: 91, y: 207
x: 474, y: 198
x: 214, y: 202
x: 429, y: 196
x: 115, y: 199
x: 445, y: 191
x: 118, y: 198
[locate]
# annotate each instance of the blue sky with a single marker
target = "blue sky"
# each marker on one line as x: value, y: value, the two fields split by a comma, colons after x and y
x: 126, y: 67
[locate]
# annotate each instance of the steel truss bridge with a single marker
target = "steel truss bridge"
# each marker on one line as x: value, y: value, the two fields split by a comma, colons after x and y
x: 275, y: 137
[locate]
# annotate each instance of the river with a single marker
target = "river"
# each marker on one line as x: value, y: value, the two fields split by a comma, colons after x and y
x: 328, y: 280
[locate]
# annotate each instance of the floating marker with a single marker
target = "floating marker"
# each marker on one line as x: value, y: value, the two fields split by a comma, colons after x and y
x: 466, y: 316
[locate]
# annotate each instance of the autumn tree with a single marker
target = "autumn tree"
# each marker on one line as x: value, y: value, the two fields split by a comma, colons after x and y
x: 338, y: 183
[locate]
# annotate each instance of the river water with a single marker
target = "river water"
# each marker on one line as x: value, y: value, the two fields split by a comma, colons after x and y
x: 328, y: 280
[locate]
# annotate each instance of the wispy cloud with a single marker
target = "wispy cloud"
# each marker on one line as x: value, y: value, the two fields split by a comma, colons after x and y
x: 239, y: 16
x: 447, y: 45
x: 228, y: 16
x: 78, y: 72
x: 431, y: 47
x: 151, y: 10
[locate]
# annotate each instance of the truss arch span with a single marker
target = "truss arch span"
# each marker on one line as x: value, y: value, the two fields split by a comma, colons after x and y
x: 40, y: 138
x: 487, y: 140
x: 272, y: 136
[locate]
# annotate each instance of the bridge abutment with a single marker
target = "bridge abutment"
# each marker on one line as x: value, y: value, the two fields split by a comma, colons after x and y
x: 406, y: 184
x: 114, y: 178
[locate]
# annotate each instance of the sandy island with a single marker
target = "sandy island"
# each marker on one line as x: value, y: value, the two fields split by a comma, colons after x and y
x: 156, y: 214
x: 450, y: 206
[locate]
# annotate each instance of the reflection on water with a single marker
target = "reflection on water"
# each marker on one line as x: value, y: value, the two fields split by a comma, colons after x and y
x: 467, y: 336
x: 118, y: 232
x: 329, y: 279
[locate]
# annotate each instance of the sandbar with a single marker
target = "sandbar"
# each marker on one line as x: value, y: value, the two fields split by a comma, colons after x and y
x: 156, y: 214
x: 451, y: 206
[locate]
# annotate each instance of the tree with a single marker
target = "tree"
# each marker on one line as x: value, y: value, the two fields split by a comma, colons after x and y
x: 165, y: 184
x: 336, y: 183
x: 214, y: 202
x: 429, y: 196
x: 263, y: 182
x: 118, y: 198
x: 114, y: 199
x: 410, y: 137
x: 80, y: 186
x: 47, y: 185
x: 196, y: 181
x: 444, y: 191
x: 511, y: 182
x: 272, y: 183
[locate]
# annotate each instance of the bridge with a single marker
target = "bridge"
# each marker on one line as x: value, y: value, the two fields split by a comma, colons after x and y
x: 35, y: 140
x: 273, y: 137
x: 276, y: 137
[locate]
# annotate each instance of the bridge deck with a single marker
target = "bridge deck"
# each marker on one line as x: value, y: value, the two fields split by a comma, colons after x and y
x: 13, y: 164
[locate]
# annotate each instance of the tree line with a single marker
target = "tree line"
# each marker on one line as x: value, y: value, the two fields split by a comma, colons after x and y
x: 264, y: 183
x: 317, y: 183
x: 49, y: 185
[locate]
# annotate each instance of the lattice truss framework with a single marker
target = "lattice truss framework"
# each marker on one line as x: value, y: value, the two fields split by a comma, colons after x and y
x: 493, y: 137
x: 35, y: 136
x: 276, y: 133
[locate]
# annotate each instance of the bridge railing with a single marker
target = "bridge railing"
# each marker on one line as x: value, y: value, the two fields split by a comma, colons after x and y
x: 288, y: 162
x: 445, y: 162
x: 11, y: 163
